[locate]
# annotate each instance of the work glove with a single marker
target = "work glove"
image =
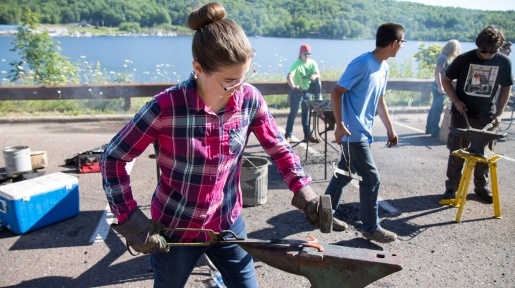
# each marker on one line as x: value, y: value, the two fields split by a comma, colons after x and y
x: 142, y: 234
x: 307, y: 201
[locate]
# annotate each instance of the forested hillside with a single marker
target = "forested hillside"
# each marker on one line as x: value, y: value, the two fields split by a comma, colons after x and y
x: 330, y: 19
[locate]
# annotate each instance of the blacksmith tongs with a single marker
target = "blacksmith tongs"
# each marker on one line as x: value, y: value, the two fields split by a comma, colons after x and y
x: 347, y: 160
x: 229, y: 237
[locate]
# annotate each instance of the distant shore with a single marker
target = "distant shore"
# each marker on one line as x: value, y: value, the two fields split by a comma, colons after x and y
x: 74, y: 30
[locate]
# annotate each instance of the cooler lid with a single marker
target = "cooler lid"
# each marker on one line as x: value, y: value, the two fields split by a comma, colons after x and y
x: 28, y: 188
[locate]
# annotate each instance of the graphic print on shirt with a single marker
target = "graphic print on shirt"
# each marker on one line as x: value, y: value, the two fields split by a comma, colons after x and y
x: 481, y: 80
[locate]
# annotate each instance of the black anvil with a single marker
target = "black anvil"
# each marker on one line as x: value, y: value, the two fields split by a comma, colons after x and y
x: 479, y: 139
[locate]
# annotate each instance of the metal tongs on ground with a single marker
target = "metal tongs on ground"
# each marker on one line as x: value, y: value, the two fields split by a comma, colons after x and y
x: 343, y: 172
x: 229, y: 237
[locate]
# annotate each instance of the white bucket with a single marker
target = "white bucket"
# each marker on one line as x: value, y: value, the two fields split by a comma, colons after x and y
x: 17, y: 160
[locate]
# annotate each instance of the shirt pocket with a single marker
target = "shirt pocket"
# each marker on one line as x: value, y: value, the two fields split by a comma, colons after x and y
x: 236, y: 135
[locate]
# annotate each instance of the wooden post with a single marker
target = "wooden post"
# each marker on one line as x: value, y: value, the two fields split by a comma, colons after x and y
x: 127, y: 104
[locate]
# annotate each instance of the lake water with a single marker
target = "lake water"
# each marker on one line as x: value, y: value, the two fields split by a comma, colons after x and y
x: 168, y: 59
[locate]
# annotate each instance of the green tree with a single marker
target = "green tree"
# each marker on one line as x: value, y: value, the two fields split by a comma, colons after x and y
x: 41, y: 54
x: 426, y: 58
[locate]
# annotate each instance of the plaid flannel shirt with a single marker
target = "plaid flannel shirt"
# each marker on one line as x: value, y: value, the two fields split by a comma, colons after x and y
x: 199, y: 153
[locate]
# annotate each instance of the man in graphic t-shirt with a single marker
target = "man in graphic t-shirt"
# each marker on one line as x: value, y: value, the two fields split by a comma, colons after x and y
x: 479, y: 73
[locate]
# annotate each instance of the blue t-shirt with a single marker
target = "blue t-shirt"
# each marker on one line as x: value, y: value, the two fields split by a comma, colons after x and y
x: 365, y: 80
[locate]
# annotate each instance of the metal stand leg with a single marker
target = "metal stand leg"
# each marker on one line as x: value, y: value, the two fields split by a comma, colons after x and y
x: 495, y: 189
x: 461, y: 195
x: 312, y: 114
x: 469, y: 166
x: 326, y: 127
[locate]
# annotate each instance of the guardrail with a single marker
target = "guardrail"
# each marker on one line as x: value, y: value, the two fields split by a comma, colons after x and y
x: 131, y: 90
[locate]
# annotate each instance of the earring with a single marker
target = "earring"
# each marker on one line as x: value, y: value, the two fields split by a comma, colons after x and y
x: 195, y: 76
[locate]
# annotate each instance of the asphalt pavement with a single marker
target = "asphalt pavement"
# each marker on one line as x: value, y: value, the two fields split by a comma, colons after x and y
x: 436, y: 251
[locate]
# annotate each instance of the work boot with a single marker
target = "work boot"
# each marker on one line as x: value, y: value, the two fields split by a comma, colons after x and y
x: 339, y: 225
x: 449, y: 194
x: 380, y: 235
x: 312, y: 139
x: 485, y: 194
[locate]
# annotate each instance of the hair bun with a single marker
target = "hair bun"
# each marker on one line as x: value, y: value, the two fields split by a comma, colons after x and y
x: 206, y: 15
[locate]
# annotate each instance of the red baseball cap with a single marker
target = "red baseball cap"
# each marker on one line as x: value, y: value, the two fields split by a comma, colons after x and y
x: 305, y: 48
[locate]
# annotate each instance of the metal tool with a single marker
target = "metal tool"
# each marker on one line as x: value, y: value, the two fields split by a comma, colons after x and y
x: 334, y: 267
x: 229, y: 237
x: 343, y: 172
x: 324, y: 265
x: 479, y: 138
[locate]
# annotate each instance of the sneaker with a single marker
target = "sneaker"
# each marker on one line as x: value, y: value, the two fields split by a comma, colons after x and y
x: 288, y: 139
x: 380, y: 235
x: 449, y: 194
x: 485, y: 194
x: 339, y: 225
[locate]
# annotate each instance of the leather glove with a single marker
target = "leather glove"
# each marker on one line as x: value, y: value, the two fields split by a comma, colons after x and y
x: 142, y: 234
x: 307, y: 201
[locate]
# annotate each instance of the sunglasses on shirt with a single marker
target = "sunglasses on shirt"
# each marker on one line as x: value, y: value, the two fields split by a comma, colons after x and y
x: 487, y: 51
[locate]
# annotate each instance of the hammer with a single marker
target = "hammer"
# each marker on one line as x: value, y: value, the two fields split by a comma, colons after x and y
x: 325, y: 213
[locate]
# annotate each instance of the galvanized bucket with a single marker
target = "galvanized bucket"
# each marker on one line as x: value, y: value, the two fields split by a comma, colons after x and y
x: 17, y: 160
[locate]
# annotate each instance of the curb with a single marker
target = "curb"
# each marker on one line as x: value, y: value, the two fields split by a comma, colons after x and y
x: 64, y: 119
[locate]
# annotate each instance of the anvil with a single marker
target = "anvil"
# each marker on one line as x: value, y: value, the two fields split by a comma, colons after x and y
x: 334, y: 266
x: 479, y: 139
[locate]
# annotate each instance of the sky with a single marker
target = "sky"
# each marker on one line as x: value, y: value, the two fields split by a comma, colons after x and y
x: 496, y: 5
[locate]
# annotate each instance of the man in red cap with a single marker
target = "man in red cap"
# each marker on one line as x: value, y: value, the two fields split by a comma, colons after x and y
x: 302, y: 72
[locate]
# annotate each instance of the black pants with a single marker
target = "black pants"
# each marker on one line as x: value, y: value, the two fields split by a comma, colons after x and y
x: 455, y: 163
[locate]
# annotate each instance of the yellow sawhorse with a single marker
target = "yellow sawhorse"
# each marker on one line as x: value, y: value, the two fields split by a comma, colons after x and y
x: 461, y: 194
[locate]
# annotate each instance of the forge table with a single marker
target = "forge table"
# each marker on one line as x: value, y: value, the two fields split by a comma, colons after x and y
x: 321, y: 110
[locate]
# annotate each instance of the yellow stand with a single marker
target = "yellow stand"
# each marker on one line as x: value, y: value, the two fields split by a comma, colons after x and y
x: 461, y: 194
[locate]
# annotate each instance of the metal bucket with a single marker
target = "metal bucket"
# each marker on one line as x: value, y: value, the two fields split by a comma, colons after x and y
x: 254, y: 180
x: 17, y: 160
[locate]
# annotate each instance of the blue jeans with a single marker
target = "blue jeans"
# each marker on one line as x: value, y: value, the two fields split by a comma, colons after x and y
x: 172, y: 269
x: 363, y: 164
x: 297, y: 100
x: 435, y: 112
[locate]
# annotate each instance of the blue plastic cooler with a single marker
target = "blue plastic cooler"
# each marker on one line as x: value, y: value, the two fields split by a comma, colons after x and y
x: 38, y: 202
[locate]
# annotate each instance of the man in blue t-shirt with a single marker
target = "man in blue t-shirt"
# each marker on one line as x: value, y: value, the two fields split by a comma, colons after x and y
x: 479, y: 73
x: 356, y: 99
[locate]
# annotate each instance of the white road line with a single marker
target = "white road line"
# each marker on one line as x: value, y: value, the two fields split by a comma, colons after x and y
x: 103, y: 227
x: 508, y: 158
x: 409, y: 127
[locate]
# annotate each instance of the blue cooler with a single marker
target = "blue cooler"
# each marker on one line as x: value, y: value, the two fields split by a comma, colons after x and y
x: 38, y: 202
